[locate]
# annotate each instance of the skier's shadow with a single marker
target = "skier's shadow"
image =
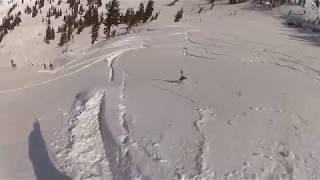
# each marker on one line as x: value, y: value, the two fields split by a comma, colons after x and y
x: 38, y: 155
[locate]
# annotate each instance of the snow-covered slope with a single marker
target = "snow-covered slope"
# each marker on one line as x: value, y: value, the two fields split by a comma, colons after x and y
x: 25, y: 44
x: 248, y: 108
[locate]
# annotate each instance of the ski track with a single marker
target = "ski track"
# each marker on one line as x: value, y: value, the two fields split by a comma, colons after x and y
x: 174, y: 93
x: 279, y: 58
x: 89, y: 161
x: 109, y: 57
x: 88, y: 53
x: 203, y: 171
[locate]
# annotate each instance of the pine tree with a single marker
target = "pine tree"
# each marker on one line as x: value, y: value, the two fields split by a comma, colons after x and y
x: 63, y: 39
x: 126, y: 16
x: 1, y: 36
x: 112, y: 17
x: 81, y: 9
x: 129, y: 18
x: 95, y: 27
x: 113, y: 13
x: 80, y: 25
x: 113, y: 33
x: 95, y: 32
x: 41, y: 3
x: 87, y: 17
x: 107, y: 28
x: 178, y: 16
x: 99, y: 2
x: 101, y: 18
x: 317, y: 3
x: 50, y: 35
x: 140, y: 14
x: 149, y: 10
x: 34, y: 11
x: 53, y: 33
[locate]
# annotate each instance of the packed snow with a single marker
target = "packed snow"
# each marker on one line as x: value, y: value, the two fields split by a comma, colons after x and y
x: 228, y: 93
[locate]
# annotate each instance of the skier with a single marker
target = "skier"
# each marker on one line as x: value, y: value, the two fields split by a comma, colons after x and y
x: 13, y: 64
x: 50, y: 66
x: 182, y: 77
x: 44, y: 66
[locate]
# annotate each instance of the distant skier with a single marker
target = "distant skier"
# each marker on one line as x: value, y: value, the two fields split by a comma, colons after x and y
x: 182, y: 77
x: 13, y: 65
x: 50, y: 66
x: 44, y: 66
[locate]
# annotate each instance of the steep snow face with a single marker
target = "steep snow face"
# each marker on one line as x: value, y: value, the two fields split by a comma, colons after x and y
x: 79, y: 151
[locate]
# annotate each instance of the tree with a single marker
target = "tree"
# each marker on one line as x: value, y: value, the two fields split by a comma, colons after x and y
x: 88, y: 17
x: 107, y: 28
x: 212, y: 3
x: 63, y: 39
x: 41, y: 3
x: 129, y: 18
x: 140, y: 14
x: 99, y: 2
x: 95, y: 27
x: 113, y: 13
x: 50, y: 34
x: 178, y: 16
x: 34, y: 11
x: 53, y: 34
x: 149, y: 10
x: 317, y: 3
x: 80, y: 25
x: 95, y: 32
x: 112, y: 17
x: 1, y: 36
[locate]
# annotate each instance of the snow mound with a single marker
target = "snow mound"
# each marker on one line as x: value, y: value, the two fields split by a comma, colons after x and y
x: 306, y: 17
x: 80, y: 151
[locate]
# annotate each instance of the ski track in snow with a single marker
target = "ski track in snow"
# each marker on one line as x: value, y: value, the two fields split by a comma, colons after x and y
x: 108, y: 57
x: 277, y: 58
x: 203, y: 172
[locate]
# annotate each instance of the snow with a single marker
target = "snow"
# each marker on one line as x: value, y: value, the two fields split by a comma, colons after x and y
x: 80, y: 154
x: 116, y: 110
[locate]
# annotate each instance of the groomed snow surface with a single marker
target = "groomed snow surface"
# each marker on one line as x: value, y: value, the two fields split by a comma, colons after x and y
x: 247, y: 110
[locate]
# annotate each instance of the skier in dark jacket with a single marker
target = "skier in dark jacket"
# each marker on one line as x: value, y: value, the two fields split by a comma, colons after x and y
x: 50, y: 66
x: 182, y: 77
x: 13, y: 64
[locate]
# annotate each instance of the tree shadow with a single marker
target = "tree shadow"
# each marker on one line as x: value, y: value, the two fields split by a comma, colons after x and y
x: 258, y: 7
x: 39, y: 157
x: 310, y: 38
x: 303, y: 34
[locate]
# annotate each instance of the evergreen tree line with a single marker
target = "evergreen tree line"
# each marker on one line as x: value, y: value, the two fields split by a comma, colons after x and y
x: 50, y: 34
x: 111, y: 19
x: 130, y: 18
x: 9, y: 22
x: 79, y: 18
